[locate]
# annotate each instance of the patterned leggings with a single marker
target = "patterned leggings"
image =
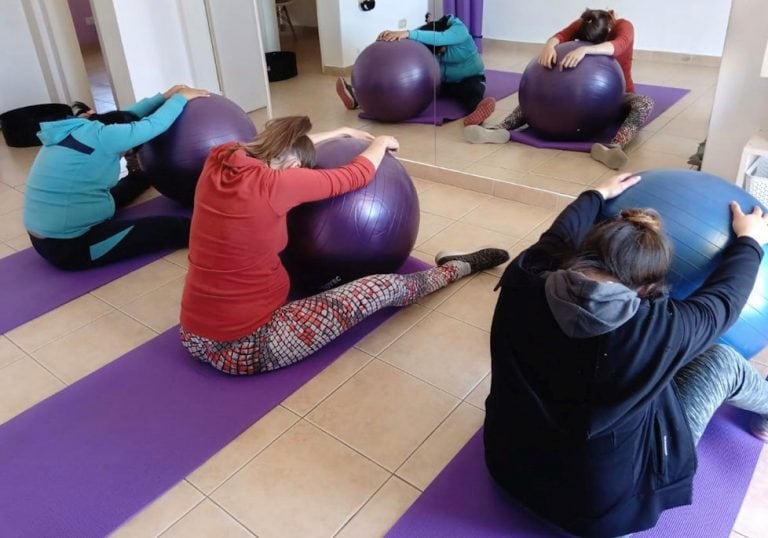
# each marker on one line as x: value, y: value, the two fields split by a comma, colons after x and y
x: 640, y: 107
x: 719, y: 375
x: 299, y: 328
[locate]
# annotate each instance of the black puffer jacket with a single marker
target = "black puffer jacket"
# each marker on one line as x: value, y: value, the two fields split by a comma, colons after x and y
x: 583, y: 423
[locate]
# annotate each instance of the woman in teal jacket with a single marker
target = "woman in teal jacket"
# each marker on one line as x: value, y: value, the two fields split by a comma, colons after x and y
x: 461, y: 66
x: 74, y: 186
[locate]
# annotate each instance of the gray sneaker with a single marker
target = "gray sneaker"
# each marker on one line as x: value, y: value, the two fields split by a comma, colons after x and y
x: 478, y: 260
x: 611, y: 155
x: 476, y: 134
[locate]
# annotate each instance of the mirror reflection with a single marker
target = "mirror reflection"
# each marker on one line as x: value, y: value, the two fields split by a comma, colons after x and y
x: 678, y: 66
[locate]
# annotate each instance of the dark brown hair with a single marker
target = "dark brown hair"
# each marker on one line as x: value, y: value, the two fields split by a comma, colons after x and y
x: 632, y: 247
x: 595, y: 26
x: 282, y: 136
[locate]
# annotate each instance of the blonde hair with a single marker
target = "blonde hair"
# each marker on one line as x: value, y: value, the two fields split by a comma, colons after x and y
x: 282, y: 138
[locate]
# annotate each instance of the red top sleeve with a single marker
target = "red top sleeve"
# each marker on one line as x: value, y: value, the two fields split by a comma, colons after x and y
x: 623, y: 37
x: 296, y: 186
x: 569, y: 32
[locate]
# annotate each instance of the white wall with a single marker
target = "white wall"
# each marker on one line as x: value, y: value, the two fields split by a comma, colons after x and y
x: 741, y: 99
x: 40, y: 60
x: 684, y: 26
x: 345, y: 30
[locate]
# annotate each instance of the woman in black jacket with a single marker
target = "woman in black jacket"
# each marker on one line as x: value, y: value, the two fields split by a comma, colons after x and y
x: 601, y: 384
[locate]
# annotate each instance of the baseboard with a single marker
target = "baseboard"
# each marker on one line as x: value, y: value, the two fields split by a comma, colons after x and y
x: 502, y: 189
x: 648, y: 55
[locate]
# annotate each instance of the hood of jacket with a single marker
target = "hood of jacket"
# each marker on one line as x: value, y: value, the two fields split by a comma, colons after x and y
x: 584, y: 308
x: 53, y: 132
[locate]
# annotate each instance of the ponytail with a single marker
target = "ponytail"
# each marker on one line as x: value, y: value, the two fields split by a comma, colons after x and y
x: 282, y: 136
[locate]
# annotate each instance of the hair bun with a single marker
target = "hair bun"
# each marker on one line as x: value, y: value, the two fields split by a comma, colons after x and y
x: 645, y: 218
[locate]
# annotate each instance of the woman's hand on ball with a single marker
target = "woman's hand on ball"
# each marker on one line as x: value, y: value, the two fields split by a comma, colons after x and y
x: 357, y: 133
x: 573, y: 58
x: 170, y: 91
x: 754, y: 225
x: 390, y: 143
x: 614, y: 186
x: 393, y: 35
x: 193, y: 93
x: 548, y: 57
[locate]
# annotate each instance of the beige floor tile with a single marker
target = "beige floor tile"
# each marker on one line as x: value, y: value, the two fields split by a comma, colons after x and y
x: 752, y: 520
x: 673, y: 144
x: 429, y: 225
x: 158, y: 309
x: 440, y: 447
x: 20, y: 242
x: 14, y: 166
x: 422, y: 185
x: 23, y: 383
x: 480, y: 393
x: 10, y: 200
x: 444, y: 352
x: 646, y: 159
x: 474, y: 303
x: 11, y: 225
x: 572, y: 166
x: 319, y: 387
x: 392, y: 329
x: 161, y: 514
x: 179, y: 258
x: 515, y: 156
x: 233, y: 457
x: 450, y: 202
x: 553, y: 184
x: 59, y: 322
x: 9, y: 352
x: 382, y: 511
x: 135, y: 284
x: 507, y: 217
x: 305, y: 484
x: 5, y: 250
x: 206, y: 520
x: 90, y: 347
x: 464, y: 236
x: 383, y: 412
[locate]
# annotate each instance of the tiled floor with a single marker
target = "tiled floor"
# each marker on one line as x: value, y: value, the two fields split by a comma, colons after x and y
x: 351, y: 450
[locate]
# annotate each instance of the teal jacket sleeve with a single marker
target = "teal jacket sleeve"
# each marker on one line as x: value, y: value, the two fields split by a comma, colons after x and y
x: 122, y: 137
x: 147, y: 106
x: 455, y: 34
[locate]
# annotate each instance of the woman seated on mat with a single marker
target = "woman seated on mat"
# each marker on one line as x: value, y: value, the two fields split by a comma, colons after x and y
x: 610, y: 37
x: 601, y: 384
x: 461, y: 66
x: 234, y: 313
x: 74, y: 186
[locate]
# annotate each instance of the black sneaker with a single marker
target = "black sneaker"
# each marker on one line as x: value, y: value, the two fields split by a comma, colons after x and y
x: 478, y: 260
x: 346, y: 93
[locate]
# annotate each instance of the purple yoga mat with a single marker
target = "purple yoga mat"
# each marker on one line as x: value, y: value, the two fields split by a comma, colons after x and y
x: 464, y: 501
x: 499, y: 84
x: 31, y: 286
x: 88, y: 458
x: 663, y: 99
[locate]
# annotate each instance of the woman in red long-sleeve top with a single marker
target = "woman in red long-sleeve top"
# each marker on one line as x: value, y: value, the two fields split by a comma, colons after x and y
x: 234, y: 313
x: 610, y: 37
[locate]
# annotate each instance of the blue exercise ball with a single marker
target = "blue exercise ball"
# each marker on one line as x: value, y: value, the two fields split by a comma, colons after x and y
x: 572, y: 104
x: 395, y: 81
x: 696, y: 217
x: 367, y: 231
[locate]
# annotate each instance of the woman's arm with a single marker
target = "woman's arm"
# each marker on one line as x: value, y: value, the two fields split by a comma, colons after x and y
x: 624, y: 35
x: 455, y: 34
x: 575, y: 221
x: 322, y: 136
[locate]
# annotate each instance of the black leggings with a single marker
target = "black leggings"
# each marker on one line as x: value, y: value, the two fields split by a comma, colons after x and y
x: 115, y: 239
x: 469, y: 92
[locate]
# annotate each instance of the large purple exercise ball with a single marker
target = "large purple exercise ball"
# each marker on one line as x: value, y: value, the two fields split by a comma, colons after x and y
x: 572, y: 104
x: 175, y: 158
x: 367, y: 231
x: 395, y: 81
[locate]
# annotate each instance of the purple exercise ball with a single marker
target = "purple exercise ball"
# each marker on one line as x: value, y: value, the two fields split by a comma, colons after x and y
x: 394, y: 81
x: 175, y: 158
x: 368, y: 231
x: 572, y: 104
